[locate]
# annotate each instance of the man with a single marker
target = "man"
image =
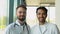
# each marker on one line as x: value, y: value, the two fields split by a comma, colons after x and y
x: 43, y: 27
x: 20, y: 26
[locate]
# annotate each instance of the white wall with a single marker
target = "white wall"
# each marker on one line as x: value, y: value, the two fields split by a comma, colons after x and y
x: 58, y: 13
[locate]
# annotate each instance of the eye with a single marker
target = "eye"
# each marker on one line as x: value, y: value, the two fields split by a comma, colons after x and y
x: 24, y: 12
x: 44, y: 13
x: 20, y: 12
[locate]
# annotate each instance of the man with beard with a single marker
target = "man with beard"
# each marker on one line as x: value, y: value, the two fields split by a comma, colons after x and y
x: 20, y: 26
x: 43, y: 27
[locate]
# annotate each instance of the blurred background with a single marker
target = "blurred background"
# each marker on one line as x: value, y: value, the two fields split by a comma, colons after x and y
x: 8, y: 11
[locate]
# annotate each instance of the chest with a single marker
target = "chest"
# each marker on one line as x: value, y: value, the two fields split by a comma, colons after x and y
x: 19, y: 30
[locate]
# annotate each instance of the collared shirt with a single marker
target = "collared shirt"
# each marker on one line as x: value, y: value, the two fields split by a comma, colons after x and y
x: 16, y: 28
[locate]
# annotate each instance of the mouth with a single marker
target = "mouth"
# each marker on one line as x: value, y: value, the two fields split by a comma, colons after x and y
x: 41, y: 19
x: 22, y: 16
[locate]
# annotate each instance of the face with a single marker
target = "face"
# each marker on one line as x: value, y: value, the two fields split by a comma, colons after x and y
x: 21, y: 13
x: 41, y: 15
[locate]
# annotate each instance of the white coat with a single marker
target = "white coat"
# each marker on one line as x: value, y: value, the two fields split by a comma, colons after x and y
x: 49, y: 29
x: 15, y: 28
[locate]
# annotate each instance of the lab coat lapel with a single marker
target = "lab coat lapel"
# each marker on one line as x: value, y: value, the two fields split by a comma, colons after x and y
x: 45, y: 28
x: 38, y: 30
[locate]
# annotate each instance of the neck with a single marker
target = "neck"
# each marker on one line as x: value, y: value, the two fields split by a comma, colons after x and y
x: 41, y: 23
x: 21, y: 22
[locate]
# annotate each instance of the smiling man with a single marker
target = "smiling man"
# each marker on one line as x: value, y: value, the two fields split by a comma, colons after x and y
x: 43, y: 27
x: 20, y: 26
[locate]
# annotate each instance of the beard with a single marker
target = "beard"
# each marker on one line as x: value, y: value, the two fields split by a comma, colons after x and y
x: 21, y: 19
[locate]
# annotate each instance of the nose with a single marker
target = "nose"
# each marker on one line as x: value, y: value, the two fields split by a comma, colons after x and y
x: 22, y: 13
x: 41, y: 15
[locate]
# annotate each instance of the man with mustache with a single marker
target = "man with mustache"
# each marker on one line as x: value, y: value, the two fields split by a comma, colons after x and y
x: 20, y: 26
x: 43, y: 27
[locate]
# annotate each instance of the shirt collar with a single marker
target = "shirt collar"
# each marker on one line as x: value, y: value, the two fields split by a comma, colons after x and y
x: 17, y: 22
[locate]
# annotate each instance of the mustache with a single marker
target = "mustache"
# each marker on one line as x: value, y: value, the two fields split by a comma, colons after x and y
x: 21, y: 19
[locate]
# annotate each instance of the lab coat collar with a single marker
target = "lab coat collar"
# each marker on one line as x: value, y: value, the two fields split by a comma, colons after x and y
x: 45, y: 29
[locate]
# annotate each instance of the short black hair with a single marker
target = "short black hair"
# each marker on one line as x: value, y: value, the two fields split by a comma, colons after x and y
x: 23, y: 6
x: 43, y: 8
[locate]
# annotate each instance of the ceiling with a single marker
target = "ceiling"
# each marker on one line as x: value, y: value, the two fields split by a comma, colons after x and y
x: 40, y: 2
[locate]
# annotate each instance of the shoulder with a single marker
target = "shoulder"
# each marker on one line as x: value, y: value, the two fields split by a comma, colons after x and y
x: 52, y: 25
x: 53, y: 28
x: 35, y: 27
x: 10, y: 26
x: 28, y: 27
